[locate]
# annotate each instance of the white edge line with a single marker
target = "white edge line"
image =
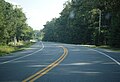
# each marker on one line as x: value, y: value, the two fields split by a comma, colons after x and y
x: 107, y: 56
x: 25, y: 55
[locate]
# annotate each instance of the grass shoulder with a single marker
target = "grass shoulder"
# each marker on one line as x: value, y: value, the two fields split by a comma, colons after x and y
x: 105, y: 47
x: 7, y: 49
x: 109, y: 48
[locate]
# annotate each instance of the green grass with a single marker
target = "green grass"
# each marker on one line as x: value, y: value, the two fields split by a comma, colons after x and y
x: 7, y: 49
x: 104, y: 47
x: 108, y: 47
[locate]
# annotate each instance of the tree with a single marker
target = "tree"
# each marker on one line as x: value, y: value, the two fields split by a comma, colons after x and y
x: 86, y: 22
x: 13, y: 23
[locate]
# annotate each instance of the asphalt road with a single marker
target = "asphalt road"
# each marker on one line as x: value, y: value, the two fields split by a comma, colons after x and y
x: 56, y: 62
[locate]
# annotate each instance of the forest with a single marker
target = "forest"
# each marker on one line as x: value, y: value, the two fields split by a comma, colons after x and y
x: 95, y: 22
x: 13, y: 25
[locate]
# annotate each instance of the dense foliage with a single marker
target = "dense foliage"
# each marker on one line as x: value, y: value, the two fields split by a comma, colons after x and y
x: 86, y: 22
x: 13, y: 24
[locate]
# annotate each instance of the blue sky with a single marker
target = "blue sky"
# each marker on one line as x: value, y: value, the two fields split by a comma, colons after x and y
x: 39, y: 12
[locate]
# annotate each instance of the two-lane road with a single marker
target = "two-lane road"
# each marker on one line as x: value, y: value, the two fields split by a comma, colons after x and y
x: 56, y: 62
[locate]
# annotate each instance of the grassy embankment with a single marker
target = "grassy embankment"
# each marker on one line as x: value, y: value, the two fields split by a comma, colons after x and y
x: 7, y: 49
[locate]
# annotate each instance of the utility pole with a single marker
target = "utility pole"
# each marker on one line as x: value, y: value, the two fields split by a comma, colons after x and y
x: 99, y: 28
x: 100, y: 15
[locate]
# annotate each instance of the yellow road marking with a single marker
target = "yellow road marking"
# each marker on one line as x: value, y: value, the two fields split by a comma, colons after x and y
x: 42, y: 72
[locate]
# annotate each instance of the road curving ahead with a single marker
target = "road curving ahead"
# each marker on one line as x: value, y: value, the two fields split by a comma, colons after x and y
x: 45, y: 70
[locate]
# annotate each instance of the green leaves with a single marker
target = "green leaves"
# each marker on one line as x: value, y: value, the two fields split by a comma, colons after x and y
x: 13, y: 23
x: 86, y: 22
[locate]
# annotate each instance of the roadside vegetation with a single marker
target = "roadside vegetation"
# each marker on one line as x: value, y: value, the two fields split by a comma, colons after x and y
x: 104, y: 47
x: 13, y: 25
x: 95, y: 22
x: 7, y: 49
x: 109, y: 48
x: 15, y: 33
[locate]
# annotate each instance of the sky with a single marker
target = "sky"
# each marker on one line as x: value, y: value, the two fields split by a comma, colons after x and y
x: 38, y: 12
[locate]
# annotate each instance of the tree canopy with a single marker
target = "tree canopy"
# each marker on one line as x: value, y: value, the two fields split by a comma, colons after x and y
x: 86, y: 22
x: 13, y: 23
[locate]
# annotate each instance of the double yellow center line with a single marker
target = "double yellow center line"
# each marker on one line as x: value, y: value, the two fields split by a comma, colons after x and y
x: 42, y: 72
